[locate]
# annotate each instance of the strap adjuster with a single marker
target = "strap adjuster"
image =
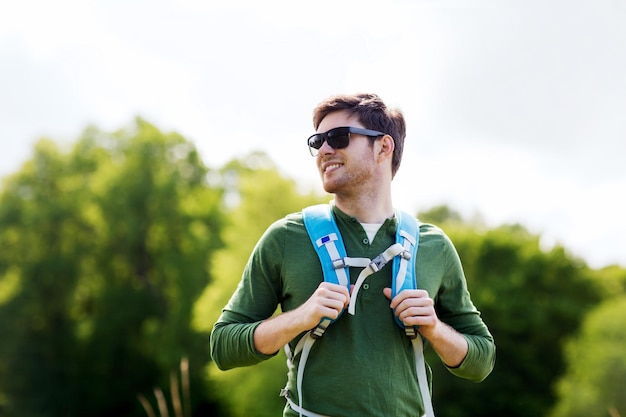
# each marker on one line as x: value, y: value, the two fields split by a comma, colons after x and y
x: 410, y: 331
x: 378, y: 263
x: 339, y: 263
x: 321, y: 327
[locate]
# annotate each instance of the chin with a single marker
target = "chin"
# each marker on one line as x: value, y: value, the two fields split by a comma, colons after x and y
x: 329, y: 188
x: 335, y: 188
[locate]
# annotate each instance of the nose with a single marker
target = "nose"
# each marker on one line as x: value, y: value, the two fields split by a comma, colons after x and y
x: 325, y: 149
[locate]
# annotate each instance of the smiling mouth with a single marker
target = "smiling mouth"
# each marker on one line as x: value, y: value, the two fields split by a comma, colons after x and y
x: 332, y: 167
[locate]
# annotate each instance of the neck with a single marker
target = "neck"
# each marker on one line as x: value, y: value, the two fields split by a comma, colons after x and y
x: 366, y: 208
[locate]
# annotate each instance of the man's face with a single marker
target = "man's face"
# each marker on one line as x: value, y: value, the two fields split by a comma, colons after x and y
x: 345, y: 171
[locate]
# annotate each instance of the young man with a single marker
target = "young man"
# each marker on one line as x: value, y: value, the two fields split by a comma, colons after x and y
x: 364, y: 365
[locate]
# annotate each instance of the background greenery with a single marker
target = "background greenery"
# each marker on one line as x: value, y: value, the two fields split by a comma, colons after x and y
x: 118, y: 253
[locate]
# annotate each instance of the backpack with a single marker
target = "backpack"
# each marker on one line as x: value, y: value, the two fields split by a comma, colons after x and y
x: 326, y: 239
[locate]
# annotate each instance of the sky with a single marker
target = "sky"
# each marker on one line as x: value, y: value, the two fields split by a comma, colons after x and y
x: 515, y: 110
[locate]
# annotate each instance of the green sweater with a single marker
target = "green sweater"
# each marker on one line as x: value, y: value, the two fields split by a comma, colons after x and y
x: 364, y: 364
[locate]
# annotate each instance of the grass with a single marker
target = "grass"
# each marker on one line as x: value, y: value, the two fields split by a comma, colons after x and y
x: 179, y: 394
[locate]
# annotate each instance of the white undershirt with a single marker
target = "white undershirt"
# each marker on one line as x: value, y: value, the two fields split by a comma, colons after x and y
x: 371, y: 229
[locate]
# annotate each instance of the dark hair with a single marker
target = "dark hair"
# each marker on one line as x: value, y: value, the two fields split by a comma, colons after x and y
x: 372, y: 113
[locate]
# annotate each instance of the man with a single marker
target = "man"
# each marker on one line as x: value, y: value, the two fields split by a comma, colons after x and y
x: 364, y: 364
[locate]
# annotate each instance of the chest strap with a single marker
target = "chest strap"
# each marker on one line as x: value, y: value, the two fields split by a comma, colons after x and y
x: 326, y: 239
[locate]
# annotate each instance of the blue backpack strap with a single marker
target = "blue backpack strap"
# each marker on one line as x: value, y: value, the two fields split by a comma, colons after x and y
x: 403, y: 278
x: 324, y: 234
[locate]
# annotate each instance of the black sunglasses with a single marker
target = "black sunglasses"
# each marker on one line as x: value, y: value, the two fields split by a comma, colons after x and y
x: 338, y: 138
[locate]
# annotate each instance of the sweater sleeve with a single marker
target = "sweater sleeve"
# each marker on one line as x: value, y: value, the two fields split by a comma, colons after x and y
x: 456, y: 308
x: 232, y: 345
x: 480, y: 358
x: 256, y: 298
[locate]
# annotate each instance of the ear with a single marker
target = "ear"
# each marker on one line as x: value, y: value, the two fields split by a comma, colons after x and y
x: 386, y: 147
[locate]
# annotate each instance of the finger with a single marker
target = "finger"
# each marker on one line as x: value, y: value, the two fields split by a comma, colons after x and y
x: 410, y: 297
x: 416, y: 303
x: 336, y: 288
x: 328, y: 288
x: 400, y: 298
x: 331, y: 311
x: 335, y: 297
x: 387, y: 292
x: 421, y: 315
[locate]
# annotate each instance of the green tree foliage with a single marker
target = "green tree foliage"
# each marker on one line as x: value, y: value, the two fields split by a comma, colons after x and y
x: 595, y: 381
x: 612, y: 281
x: 532, y: 300
x: 104, y: 250
x: 258, y: 195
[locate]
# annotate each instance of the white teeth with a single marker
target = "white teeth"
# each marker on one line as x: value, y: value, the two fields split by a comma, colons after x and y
x: 333, y: 166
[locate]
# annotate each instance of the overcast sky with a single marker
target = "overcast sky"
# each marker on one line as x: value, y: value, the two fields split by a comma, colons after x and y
x: 516, y: 110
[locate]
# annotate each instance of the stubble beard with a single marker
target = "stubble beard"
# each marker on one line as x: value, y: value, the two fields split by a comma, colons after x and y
x: 347, y: 184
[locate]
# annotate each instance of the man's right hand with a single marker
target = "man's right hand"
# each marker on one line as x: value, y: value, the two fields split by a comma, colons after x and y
x: 328, y: 300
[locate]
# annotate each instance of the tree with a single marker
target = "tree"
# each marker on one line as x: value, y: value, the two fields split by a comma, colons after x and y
x: 36, y: 212
x: 258, y: 195
x: 594, y: 382
x: 532, y: 300
x: 107, y: 248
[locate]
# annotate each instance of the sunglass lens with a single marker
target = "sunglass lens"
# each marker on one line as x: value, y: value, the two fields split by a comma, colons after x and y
x: 338, y: 138
x: 316, y: 141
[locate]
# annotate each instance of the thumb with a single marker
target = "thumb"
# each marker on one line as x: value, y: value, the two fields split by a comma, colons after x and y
x: 347, y: 303
x: 387, y: 292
